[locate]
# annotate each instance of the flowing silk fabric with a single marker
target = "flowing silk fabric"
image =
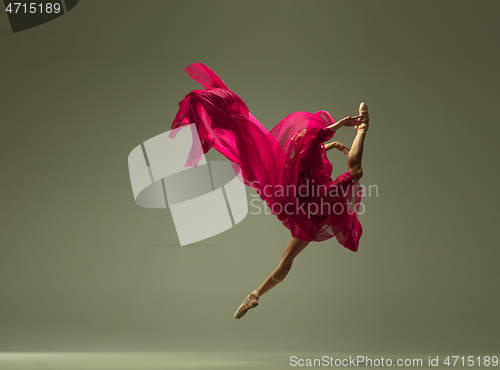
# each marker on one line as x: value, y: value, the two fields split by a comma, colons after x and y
x: 287, y: 166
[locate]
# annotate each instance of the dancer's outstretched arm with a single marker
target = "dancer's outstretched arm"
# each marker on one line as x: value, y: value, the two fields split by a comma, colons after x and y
x: 321, y: 135
x: 338, y: 146
x: 348, y: 122
x: 360, y: 123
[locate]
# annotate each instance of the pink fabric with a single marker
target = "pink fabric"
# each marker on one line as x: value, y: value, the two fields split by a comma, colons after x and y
x: 287, y: 166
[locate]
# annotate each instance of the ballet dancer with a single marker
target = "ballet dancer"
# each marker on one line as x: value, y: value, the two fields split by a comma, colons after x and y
x: 292, y: 154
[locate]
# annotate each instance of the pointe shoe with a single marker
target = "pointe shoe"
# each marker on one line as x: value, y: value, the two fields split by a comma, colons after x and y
x: 250, y: 301
x: 363, y: 111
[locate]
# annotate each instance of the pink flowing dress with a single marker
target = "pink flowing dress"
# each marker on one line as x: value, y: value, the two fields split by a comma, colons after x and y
x: 287, y: 166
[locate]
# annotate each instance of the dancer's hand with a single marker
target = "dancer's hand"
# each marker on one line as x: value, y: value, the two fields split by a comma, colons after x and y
x: 351, y: 121
x: 338, y: 146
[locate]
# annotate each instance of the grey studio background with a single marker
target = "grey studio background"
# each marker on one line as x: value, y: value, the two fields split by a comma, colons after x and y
x: 83, y: 268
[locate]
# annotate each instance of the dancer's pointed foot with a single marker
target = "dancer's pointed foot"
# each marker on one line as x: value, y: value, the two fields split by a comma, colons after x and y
x: 250, y: 301
x: 363, y: 111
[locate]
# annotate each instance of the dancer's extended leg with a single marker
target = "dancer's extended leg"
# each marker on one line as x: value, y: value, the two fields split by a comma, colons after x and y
x: 294, y: 247
x: 356, y: 152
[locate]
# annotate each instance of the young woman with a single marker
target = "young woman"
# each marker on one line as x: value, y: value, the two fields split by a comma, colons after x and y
x: 287, y: 166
